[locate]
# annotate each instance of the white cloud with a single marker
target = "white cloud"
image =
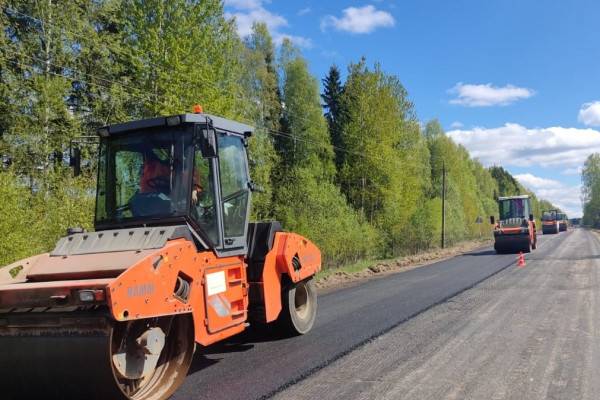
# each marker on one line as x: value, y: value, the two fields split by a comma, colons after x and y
x: 535, y: 182
x: 359, y: 20
x: 486, y: 95
x: 565, y: 197
x: 244, y: 4
x: 516, y: 145
x: 572, y: 171
x: 246, y: 19
x: 456, y: 125
x: 299, y: 41
x: 589, y: 114
x: 247, y: 12
x: 304, y: 11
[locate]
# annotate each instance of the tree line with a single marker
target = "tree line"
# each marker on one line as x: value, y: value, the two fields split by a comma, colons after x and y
x: 350, y: 167
x: 590, y: 191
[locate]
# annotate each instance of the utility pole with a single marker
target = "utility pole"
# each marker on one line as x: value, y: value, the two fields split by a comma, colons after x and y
x: 443, y: 205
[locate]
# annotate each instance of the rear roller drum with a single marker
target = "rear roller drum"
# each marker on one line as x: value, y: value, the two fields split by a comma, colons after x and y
x: 95, y: 359
x: 150, y: 358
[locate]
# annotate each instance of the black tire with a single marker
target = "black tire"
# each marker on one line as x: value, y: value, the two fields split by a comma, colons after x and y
x: 299, y: 309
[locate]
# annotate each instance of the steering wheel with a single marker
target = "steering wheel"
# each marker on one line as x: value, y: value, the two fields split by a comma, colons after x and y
x: 159, y: 182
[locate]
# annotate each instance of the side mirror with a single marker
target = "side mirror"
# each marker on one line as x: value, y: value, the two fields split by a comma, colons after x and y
x: 75, y: 160
x: 206, y: 139
x: 531, y: 217
x: 492, y: 220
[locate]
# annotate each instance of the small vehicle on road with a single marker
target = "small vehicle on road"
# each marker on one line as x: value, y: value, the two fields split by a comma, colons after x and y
x: 563, y: 222
x: 515, y: 230
x: 550, y: 222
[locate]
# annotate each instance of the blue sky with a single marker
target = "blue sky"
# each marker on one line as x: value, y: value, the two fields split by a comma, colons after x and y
x: 516, y: 82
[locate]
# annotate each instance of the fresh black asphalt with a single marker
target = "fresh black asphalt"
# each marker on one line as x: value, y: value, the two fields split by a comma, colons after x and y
x: 258, y: 364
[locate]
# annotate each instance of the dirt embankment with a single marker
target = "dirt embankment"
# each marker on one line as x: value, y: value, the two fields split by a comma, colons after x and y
x: 347, y: 276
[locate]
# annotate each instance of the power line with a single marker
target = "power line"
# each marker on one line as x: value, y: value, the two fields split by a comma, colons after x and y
x: 62, y: 29
x: 117, y: 50
x: 93, y: 76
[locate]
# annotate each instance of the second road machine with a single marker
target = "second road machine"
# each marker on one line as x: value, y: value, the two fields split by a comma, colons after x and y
x: 550, y: 222
x: 515, y: 230
x: 563, y: 222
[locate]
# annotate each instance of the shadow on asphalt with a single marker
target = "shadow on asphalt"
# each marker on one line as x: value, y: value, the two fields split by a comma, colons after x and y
x: 481, y: 253
x: 237, y: 344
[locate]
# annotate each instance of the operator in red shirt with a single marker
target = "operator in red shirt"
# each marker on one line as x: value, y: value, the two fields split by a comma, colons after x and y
x: 155, y: 174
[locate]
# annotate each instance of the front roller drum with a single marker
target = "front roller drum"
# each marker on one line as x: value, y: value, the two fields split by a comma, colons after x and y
x: 93, y: 358
x: 506, y: 245
x: 299, y: 307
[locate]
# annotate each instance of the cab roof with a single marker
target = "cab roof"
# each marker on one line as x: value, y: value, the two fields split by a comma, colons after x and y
x: 219, y: 123
x: 523, y: 196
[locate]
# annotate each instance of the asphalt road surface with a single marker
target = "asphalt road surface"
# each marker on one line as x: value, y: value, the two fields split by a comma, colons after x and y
x: 474, y: 326
x: 526, y: 333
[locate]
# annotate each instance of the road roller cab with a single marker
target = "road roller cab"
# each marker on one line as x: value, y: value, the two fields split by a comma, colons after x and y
x: 515, y: 229
x: 173, y: 261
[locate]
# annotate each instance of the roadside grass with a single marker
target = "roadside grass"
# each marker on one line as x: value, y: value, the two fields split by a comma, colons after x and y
x: 364, y: 268
x: 351, y: 268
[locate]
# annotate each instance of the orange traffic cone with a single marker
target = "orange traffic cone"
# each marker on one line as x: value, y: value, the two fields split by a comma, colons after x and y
x: 521, y: 262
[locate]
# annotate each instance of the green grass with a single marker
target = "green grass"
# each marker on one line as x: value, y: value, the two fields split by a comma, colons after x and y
x: 352, y: 268
x: 362, y: 265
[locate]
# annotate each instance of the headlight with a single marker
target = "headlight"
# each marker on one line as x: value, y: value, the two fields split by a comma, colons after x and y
x: 88, y: 296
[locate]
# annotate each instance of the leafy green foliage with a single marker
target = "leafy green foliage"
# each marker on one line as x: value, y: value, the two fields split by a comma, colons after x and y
x: 261, y: 87
x: 386, y: 160
x: 316, y: 209
x: 307, y: 200
x: 31, y: 222
x: 590, y: 178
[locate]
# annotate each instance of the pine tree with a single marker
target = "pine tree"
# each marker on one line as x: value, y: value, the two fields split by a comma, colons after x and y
x: 332, y: 98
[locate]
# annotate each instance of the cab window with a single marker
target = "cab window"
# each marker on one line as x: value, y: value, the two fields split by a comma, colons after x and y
x: 234, y: 185
x: 202, y: 201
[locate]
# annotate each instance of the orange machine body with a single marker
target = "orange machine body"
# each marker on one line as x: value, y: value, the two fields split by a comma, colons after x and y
x: 216, y: 292
x: 218, y: 296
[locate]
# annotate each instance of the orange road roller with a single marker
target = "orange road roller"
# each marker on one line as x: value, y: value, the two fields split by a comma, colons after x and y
x: 173, y: 263
x: 550, y: 222
x: 515, y: 230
